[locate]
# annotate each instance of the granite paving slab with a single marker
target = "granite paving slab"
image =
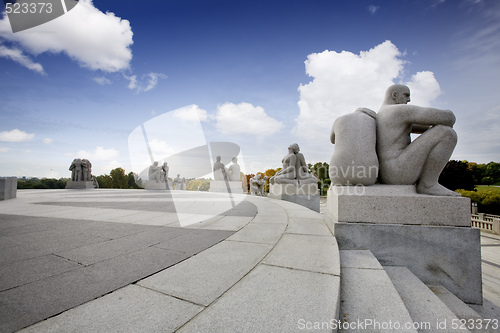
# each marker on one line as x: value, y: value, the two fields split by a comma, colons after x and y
x: 130, y: 309
x: 203, y: 278
x: 272, y: 299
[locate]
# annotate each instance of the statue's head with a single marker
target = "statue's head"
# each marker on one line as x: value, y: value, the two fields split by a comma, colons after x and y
x: 234, y: 160
x: 155, y: 163
x: 397, y: 94
x: 218, y: 158
x: 294, y: 147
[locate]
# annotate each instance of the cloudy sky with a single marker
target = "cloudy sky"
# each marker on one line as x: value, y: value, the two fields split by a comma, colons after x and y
x: 259, y: 73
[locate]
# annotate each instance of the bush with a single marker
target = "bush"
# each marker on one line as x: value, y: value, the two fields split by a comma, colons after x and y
x: 488, y: 201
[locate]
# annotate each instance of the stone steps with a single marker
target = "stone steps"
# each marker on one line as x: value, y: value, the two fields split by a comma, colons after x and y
x: 368, y: 299
x: 392, y: 298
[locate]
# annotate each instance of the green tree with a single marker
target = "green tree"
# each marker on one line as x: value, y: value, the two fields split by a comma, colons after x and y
x: 105, y: 181
x: 132, y: 181
x: 118, y: 178
x: 457, y: 175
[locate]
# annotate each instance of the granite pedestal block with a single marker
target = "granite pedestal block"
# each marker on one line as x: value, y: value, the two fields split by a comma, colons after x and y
x: 8, y: 188
x: 306, y: 195
x: 153, y: 185
x: 396, y: 204
x: 221, y: 186
x: 79, y: 185
x: 430, y: 235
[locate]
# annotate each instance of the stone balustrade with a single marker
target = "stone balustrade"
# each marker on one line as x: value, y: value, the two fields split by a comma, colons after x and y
x: 486, y: 222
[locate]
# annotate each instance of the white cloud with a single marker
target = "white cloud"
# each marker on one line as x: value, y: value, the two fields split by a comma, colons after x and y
x: 423, y: 88
x: 343, y: 82
x: 47, y: 141
x: 244, y: 118
x: 16, y: 136
x: 373, y: 9
x: 17, y: 55
x: 161, y: 148
x: 191, y: 113
x: 99, y: 154
x: 101, y: 80
x: 4, y: 149
x: 96, y: 40
x: 151, y: 80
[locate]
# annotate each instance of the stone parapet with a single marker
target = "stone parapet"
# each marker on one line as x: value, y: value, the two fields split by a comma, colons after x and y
x: 395, y: 204
x: 8, y: 188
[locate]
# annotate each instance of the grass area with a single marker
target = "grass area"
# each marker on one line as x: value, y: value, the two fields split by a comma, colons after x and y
x: 480, y: 188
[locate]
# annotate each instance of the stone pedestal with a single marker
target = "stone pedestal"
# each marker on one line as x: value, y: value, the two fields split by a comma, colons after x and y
x: 153, y: 185
x: 79, y: 185
x: 221, y: 186
x: 306, y: 195
x: 8, y: 188
x: 430, y: 235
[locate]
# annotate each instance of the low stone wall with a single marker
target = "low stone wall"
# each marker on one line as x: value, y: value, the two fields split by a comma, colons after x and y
x: 486, y: 222
x: 8, y: 188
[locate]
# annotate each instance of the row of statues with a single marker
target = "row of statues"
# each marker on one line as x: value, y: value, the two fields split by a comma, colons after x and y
x: 371, y: 146
x: 81, y: 170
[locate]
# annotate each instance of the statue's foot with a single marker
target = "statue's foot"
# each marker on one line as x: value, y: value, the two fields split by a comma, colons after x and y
x: 436, y: 189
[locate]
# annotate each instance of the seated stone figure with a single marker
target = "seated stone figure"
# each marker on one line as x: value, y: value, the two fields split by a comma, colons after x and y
x: 354, y: 160
x: 234, y: 170
x: 294, y: 169
x: 155, y: 172
x: 420, y: 162
x: 219, y: 169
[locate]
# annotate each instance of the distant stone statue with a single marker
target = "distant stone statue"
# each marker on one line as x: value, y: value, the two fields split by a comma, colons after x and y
x: 76, y: 170
x: 257, y: 185
x: 294, y: 169
x: 219, y: 169
x: 420, y: 162
x: 155, y: 172
x: 177, y: 182
x: 234, y: 171
x: 86, y: 170
x: 183, y: 184
x: 164, y: 172
x: 354, y: 160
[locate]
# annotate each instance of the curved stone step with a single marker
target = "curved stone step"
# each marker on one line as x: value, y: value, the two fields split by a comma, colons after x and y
x: 369, y: 300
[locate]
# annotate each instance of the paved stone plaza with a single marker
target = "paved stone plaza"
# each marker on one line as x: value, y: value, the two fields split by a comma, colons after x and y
x: 120, y: 261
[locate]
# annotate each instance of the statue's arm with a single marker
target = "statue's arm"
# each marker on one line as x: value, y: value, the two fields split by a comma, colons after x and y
x: 412, y: 114
x: 419, y: 129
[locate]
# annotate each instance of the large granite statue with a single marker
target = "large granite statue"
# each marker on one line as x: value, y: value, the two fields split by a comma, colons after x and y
x: 81, y: 174
x: 408, y: 219
x: 234, y: 170
x: 294, y: 169
x: 420, y: 162
x: 354, y: 161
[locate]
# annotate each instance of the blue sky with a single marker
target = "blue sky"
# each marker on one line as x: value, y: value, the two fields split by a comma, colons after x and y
x: 261, y: 74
